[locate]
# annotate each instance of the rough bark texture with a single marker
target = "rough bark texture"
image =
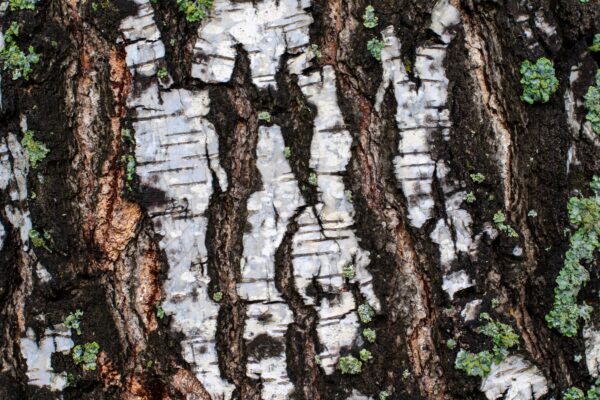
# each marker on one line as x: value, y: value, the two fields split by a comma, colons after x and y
x: 209, y: 247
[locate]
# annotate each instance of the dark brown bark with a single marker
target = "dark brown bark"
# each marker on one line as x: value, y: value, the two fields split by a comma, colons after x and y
x: 106, y: 257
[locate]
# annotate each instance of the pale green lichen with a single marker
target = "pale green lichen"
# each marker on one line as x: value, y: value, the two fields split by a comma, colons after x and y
x: 500, y: 221
x: 194, y: 10
x: 16, y: 5
x: 370, y: 335
x: 479, y: 364
x: 36, y: 150
x: 538, y: 80
x: 592, y: 104
x: 264, y: 116
x: 365, y: 355
x: 72, y: 321
x: 350, y: 365
x: 86, y: 354
x: 365, y: 313
x: 13, y: 58
x: 584, y: 214
x: 370, y: 20
x: 375, y: 46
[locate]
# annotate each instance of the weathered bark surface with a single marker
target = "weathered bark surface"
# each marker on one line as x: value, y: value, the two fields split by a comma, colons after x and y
x: 240, y: 228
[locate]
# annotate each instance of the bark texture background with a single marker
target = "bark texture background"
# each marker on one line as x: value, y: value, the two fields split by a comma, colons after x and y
x: 239, y: 228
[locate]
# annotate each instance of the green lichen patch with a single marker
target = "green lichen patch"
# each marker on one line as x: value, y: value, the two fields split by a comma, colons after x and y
x: 350, y: 365
x: 370, y: 335
x: 195, y: 10
x: 73, y: 321
x: 584, y: 214
x: 86, y: 355
x: 538, y: 80
x: 592, y: 104
x: 595, y: 47
x: 375, y: 46
x: 479, y: 364
x: 365, y: 313
x: 17, y: 5
x: 13, y: 58
x: 500, y: 221
x: 370, y: 20
x: 36, y: 150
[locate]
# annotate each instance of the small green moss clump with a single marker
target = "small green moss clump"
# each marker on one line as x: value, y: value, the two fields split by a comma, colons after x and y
x: 217, y: 296
x: 365, y: 355
x: 350, y: 365
x: 584, y: 214
x: 470, y: 198
x: 39, y: 240
x: 264, y: 116
x: 384, y: 394
x: 592, y: 104
x: 365, y: 313
x: 13, y: 58
x: 86, y: 354
x: 348, y: 272
x: 375, y: 46
x: 500, y: 221
x: 36, y: 150
x: 370, y: 335
x: 194, y: 10
x: 370, y: 20
x: 287, y: 152
x: 16, y: 5
x: 162, y: 73
x: 316, y: 51
x: 538, y: 80
x: 72, y: 321
x: 313, y: 180
x: 160, y: 312
x: 595, y: 47
x: 479, y: 364
x: 478, y: 177
x: 130, y: 168
x: 574, y: 394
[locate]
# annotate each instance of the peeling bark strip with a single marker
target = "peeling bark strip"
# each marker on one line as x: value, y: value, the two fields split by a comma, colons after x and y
x: 176, y: 154
x: 228, y: 258
x: 421, y: 113
x: 14, y: 168
x: 266, y: 30
x: 269, y: 213
x: 325, y: 243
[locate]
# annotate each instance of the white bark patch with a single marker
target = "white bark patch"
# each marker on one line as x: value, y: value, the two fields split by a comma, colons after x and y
x: 455, y: 282
x: 177, y: 154
x: 471, y: 310
x: 422, y: 113
x: 514, y: 379
x: 325, y: 242
x: 142, y: 38
x: 265, y: 29
x: 592, y: 350
x: 269, y: 212
x: 356, y: 395
x: 577, y: 125
x: 14, y: 179
x: 543, y: 25
x: 39, y: 356
x: 42, y: 273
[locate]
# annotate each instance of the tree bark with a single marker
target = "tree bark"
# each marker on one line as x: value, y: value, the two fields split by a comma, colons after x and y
x: 224, y: 199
